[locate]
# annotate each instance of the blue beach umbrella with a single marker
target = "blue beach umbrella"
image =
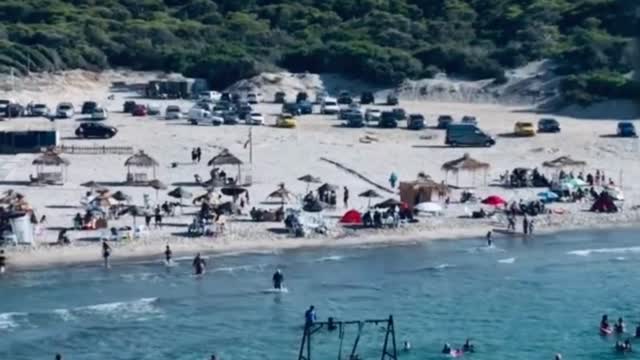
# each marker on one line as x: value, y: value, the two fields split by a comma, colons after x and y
x: 548, y: 196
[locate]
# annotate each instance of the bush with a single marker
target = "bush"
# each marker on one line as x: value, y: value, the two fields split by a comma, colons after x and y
x: 598, y: 86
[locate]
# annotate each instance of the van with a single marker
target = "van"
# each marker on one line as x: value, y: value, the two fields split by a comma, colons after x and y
x: 467, y: 135
x: 197, y: 116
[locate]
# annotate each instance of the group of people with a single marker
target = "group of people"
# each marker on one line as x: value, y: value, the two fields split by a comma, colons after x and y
x: 618, y: 328
x: 466, y: 348
x: 196, y: 155
x: 528, y: 224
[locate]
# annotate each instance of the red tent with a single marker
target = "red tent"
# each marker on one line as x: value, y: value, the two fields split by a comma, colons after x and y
x: 351, y: 217
x: 494, y: 200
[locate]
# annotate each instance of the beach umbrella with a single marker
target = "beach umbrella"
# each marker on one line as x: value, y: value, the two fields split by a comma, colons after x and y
x: 370, y: 194
x: 180, y: 193
x: 233, y: 191
x: 389, y: 203
x: 309, y: 179
x: 120, y: 196
x: 351, y: 217
x: 428, y: 208
x: 132, y: 210
x: 328, y: 187
x: 548, y: 196
x: 282, y: 193
x: 575, y: 182
x: 494, y: 200
x: 157, y: 185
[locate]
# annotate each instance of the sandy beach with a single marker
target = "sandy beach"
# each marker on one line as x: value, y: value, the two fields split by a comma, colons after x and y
x: 283, y: 155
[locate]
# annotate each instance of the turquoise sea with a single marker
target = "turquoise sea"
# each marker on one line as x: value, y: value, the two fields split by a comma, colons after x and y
x: 522, y: 299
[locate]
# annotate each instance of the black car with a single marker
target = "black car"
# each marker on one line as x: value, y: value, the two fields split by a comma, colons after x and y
x: 444, y: 121
x: 392, y: 100
x: 415, y: 122
x: 89, y: 106
x: 95, y: 130
x: 129, y: 106
x: 280, y: 97
x: 345, y: 98
x: 305, y: 107
x: 230, y: 118
x: 302, y: 96
x: 388, y: 120
x: 367, y: 98
x: 244, y: 110
x: 291, y: 108
x: 548, y: 125
x: 14, y: 110
x: 399, y: 113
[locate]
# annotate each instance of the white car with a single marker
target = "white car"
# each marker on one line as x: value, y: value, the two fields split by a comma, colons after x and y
x: 209, y: 95
x: 253, y: 98
x: 173, y: 112
x: 65, y: 110
x: 153, y: 109
x: 330, y: 106
x: 40, y: 110
x: 372, y: 115
x: 99, y: 114
x: 255, y: 119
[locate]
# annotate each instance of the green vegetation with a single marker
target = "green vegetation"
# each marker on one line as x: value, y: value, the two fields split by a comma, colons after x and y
x: 377, y: 40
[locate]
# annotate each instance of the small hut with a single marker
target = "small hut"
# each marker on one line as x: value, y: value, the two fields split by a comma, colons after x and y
x: 227, y: 158
x: 422, y: 190
x: 465, y: 163
x: 142, y: 161
x: 49, y: 160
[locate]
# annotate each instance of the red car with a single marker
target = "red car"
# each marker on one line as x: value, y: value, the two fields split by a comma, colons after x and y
x: 139, y: 110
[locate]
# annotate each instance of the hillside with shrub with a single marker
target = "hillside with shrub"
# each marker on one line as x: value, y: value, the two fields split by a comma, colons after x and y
x: 382, y: 41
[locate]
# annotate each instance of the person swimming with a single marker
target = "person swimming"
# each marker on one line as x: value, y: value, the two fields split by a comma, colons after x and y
x: 623, y: 347
x: 106, y: 253
x: 406, y: 346
x: 558, y: 357
x: 619, y: 327
x: 489, y: 241
x: 199, y: 265
x: 638, y: 331
x: 278, y: 278
x: 468, y: 346
x: 446, y: 349
x: 604, y: 323
x: 167, y: 254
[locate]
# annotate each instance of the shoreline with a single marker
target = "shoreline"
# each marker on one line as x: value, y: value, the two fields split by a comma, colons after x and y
x: 20, y: 259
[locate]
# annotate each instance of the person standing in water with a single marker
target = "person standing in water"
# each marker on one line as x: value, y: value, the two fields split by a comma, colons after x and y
x: 106, y: 253
x: 525, y: 225
x: 278, y: 278
x: 167, y: 254
x: 199, y: 265
x: 310, y: 316
x: 531, y: 227
x: 489, y: 241
x: 3, y: 262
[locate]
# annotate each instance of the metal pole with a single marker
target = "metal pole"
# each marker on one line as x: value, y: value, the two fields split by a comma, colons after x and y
x: 250, y: 145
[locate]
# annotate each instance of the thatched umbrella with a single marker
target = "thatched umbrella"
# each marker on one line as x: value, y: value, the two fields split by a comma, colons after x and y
x: 564, y: 161
x: 226, y: 158
x: 142, y: 160
x: 389, y: 203
x: 157, y: 185
x: 120, y: 196
x: 309, y: 179
x: 134, y: 211
x: 370, y: 194
x: 49, y: 158
x: 282, y: 193
x: 233, y: 191
x: 465, y: 163
x: 327, y: 187
x: 180, y: 193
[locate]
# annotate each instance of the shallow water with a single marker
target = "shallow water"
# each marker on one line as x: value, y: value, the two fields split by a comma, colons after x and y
x: 517, y: 300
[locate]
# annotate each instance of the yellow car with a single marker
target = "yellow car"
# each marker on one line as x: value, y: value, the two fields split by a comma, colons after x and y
x: 524, y: 129
x: 286, y: 121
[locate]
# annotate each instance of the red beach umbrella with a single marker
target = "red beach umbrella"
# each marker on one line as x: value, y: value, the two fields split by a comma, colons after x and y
x: 494, y: 200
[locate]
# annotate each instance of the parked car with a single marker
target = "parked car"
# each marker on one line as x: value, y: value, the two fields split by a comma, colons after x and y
x: 345, y: 98
x: 291, y: 108
x: 329, y: 106
x: 4, y: 103
x: 548, y: 125
x: 173, y: 112
x: 253, y: 98
x: 626, y: 129
x: 469, y: 120
x: 255, y: 119
x: 302, y: 96
x: 225, y: 96
x: 40, y: 110
x: 444, y: 121
x: 415, y: 122
x: 95, y: 130
x: 153, y: 109
x: 280, y: 97
x: 355, y: 119
x: 88, y: 107
x: 286, y: 121
x: 129, y: 106
x: 244, y: 110
x: 236, y: 98
x: 209, y: 95
x: 14, y: 110
x: 346, y: 110
x: 524, y: 128
x: 467, y: 135
x: 367, y: 98
x: 223, y: 106
x: 230, y: 118
x: 139, y: 110
x: 399, y: 113
x: 305, y: 107
x: 197, y: 116
x: 392, y: 100
x: 64, y: 110
x: 372, y: 115
x: 99, y: 113
x: 388, y: 120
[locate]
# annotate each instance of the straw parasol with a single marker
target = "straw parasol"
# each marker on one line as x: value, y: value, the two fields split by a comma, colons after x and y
x: 465, y: 163
x: 180, y: 193
x: 157, y: 185
x: 389, y: 203
x: 309, y: 179
x: 370, y: 194
x: 120, y: 196
x: 564, y: 161
x: 49, y: 158
x: 141, y: 160
x: 225, y: 157
x: 281, y: 193
x: 233, y: 191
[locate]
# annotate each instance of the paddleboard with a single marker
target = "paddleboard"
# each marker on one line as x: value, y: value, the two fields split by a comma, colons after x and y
x: 275, y: 291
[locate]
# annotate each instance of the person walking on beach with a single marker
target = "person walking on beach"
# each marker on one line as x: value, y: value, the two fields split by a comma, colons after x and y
x: 393, y: 178
x: 106, y: 253
x: 345, y: 197
x: 158, y: 217
x: 198, y: 154
x: 193, y: 155
x: 512, y: 223
x: 147, y: 219
x: 525, y: 225
x: 3, y: 262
